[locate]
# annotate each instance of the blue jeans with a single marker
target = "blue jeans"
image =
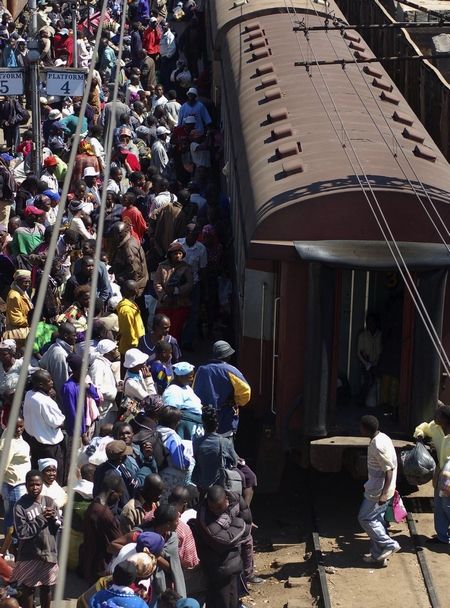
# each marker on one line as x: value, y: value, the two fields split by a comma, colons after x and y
x: 371, y: 520
x: 11, y: 495
x: 442, y: 516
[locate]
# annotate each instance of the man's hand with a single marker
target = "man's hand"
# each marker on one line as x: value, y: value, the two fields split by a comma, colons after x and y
x: 383, y: 499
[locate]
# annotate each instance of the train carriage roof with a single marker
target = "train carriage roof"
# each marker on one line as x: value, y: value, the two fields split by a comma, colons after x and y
x: 294, y: 178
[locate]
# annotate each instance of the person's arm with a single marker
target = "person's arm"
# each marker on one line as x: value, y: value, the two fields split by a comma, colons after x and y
x: 24, y: 528
x: 188, y: 285
x: 104, y: 286
x: 118, y: 543
x: 176, y: 451
x: 135, y: 390
x: 387, y: 482
x: 241, y: 388
x: 69, y: 400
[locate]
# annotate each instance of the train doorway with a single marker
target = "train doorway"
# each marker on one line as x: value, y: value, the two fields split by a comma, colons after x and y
x: 346, y: 280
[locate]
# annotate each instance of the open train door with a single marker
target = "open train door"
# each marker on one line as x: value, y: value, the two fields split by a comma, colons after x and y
x: 336, y: 309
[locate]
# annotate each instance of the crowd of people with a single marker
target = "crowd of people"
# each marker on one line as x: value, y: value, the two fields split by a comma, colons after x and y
x: 161, y: 513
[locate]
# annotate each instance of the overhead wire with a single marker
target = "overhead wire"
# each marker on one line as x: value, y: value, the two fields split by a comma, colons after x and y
x: 37, y: 312
x: 65, y: 538
x: 397, y: 143
x: 385, y: 231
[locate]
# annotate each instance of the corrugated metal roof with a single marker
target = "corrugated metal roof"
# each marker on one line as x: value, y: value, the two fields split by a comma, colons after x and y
x: 320, y: 168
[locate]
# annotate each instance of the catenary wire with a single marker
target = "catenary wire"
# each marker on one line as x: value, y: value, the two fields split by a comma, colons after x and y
x: 396, y: 141
x: 405, y: 274
x: 65, y: 538
x: 23, y: 376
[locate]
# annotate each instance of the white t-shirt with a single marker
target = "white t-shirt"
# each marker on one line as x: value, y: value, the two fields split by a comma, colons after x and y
x: 42, y: 418
x: 196, y: 257
x: 381, y: 457
x: 200, y: 158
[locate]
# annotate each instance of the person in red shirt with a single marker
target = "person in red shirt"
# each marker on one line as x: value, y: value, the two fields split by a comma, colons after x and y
x: 133, y: 216
x: 127, y: 159
x: 152, y: 38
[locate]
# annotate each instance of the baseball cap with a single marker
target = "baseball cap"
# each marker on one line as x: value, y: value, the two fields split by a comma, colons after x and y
x: 162, y: 131
x: 52, y: 195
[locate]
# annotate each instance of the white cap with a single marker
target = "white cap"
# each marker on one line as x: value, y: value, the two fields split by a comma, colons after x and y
x: 90, y: 172
x: 192, y: 91
x: 105, y: 346
x: 162, y: 131
x: 134, y: 357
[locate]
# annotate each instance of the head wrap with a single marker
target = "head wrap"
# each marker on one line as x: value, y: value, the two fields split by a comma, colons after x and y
x: 22, y: 274
x: 43, y: 463
x: 152, y: 404
x: 84, y: 147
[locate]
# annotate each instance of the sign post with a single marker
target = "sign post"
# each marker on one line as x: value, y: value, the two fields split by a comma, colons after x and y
x: 11, y: 81
x: 66, y: 82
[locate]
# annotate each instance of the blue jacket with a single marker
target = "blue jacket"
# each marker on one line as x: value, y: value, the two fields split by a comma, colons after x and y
x: 224, y: 387
x: 117, y: 596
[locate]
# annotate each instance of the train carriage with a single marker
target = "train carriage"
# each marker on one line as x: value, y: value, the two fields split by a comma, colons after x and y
x: 315, y: 160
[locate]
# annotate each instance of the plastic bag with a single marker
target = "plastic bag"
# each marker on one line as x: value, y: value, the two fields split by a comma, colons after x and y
x: 418, y: 465
x: 396, y: 511
x: 444, y: 480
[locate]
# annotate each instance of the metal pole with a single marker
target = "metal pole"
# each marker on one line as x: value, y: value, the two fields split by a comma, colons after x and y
x: 33, y: 50
x: 360, y: 59
x: 75, y: 34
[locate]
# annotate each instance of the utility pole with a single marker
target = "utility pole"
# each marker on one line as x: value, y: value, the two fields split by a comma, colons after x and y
x: 74, y: 8
x: 33, y: 58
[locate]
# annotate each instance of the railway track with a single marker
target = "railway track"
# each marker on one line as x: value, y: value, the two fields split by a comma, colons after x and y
x: 410, y: 565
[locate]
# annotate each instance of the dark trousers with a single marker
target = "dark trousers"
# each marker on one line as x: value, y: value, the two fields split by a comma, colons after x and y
x: 42, y: 450
x: 223, y: 593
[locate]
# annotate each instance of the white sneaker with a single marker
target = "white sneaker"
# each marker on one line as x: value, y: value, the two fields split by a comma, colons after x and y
x: 388, y: 553
x: 368, y: 559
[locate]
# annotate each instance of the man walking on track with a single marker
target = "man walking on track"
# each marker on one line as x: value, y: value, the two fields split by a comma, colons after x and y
x: 378, y: 490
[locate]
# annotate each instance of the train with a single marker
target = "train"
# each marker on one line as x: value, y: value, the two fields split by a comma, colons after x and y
x: 328, y: 170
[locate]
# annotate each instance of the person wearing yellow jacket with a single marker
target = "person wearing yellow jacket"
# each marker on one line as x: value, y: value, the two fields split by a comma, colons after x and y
x: 131, y: 326
x: 438, y: 430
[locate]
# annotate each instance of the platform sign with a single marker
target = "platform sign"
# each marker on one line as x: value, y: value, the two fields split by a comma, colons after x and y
x: 11, y: 82
x: 66, y: 82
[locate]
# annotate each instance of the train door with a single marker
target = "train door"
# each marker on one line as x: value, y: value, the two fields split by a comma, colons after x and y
x: 338, y: 299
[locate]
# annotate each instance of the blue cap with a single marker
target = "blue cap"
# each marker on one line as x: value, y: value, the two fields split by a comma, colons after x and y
x: 53, y: 196
x: 183, y: 368
x: 187, y: 602
x: 7, y: 157
x: 150, y: 540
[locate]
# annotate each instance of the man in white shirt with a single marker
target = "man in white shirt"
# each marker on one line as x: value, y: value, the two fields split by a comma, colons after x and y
x: 378, y: 491
x: 90, y: 176
x: 43, y: 421
x: 197, y: 258
x: 168, y: 52
x: 159, y: 151
x: 103, y: 378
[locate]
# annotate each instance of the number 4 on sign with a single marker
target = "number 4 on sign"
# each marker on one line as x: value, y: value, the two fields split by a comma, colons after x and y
x: 65, y: 88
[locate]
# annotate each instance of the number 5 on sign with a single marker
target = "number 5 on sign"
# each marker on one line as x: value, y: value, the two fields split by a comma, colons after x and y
x: 11, y: 82
x: 66, y: 82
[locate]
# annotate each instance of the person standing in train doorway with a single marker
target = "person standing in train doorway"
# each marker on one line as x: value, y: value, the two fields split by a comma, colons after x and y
x: 369, y: 351
x: 378, y: 490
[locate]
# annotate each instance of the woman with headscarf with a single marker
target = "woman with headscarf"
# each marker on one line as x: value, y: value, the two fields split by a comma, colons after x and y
x: 173, y: 283
x: 48, y: 468
x: 180, y: 394
x: 18, y: 308
x: 85, y: 158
